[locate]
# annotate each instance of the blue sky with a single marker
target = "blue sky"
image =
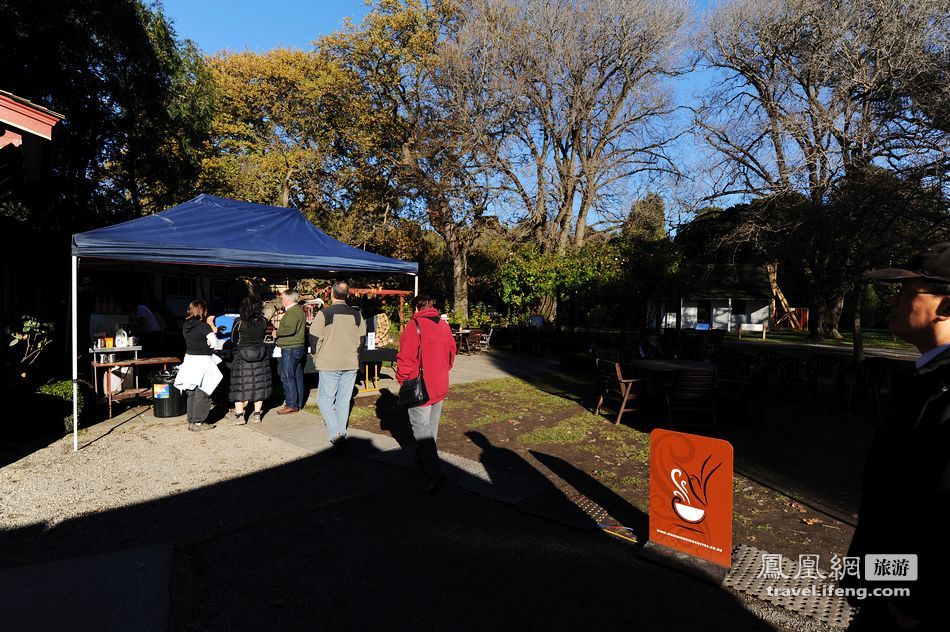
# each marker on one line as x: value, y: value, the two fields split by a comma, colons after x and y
x: 238, y: 25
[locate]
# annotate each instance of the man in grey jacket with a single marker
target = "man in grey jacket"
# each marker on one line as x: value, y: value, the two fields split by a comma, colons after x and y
x: 337, y: 333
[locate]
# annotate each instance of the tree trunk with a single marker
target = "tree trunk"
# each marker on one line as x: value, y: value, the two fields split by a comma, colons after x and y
x: 285, y: 191
x: 459, y: 252
x: 460, y: 285
x: 828, y: 312
x: 580, y: 231
x: 858, y: 346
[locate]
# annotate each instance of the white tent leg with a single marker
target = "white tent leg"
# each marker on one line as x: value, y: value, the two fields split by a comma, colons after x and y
x: 75, y: 347
x: 415, y: 285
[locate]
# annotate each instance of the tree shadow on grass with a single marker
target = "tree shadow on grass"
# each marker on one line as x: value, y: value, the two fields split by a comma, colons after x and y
x: 578, y: 388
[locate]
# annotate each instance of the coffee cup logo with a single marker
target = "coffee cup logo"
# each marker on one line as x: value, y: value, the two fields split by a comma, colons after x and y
x: 690, y: 496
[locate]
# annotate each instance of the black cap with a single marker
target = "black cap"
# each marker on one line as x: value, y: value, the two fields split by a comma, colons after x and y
x: 932, y: 265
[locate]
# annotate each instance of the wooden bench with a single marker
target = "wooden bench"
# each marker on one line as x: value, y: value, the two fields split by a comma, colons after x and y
x: 752, y: 327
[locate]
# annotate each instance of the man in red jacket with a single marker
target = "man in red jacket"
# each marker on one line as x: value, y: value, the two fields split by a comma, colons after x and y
x: 427, y: 344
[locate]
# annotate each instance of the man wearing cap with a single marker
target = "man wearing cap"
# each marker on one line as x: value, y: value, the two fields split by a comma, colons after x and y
x: 905, y: 498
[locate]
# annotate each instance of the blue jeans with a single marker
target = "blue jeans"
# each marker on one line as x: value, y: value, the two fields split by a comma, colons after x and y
x: 333, y: 397
x: 291, y: 375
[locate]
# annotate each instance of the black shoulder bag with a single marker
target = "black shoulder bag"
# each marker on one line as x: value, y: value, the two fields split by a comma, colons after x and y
x: 413, y: 392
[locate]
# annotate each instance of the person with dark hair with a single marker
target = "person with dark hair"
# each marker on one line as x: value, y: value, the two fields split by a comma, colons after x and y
x: 291, y: 337
x: 337, y: 333
x: 250, y: 371
x: 905, y: 497
x: 230, y: 301
x: 198, y: 374
x: 427, y: 345
x: 650, y: 347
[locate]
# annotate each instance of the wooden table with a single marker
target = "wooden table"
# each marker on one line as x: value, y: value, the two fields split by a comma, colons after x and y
x: 134, y: 392
x: 660, y: 366
x: 461, y: 335
x: 99, y: 352
x: 663, y: 369
x: 374, y: 358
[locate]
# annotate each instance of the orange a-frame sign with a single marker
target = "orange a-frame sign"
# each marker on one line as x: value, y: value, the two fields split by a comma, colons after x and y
x: 691, y: 494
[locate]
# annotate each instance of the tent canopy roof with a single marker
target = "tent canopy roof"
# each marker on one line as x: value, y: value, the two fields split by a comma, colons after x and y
x: 210, y: 230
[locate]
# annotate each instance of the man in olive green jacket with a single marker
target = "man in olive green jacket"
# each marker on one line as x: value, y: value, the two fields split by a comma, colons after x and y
x: 290, y: 335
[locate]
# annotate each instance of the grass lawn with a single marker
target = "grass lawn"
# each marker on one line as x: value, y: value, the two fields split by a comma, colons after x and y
x: 873, y: 339
x: 794, y: 468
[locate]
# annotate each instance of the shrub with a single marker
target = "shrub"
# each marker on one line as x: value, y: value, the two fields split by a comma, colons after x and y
x: 28, y: 338
x: 62, y: 392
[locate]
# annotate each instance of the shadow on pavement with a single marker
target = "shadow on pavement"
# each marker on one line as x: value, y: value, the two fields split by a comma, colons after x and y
x: 614, y: 504
x: 322, y: 544
x: 393, y: 418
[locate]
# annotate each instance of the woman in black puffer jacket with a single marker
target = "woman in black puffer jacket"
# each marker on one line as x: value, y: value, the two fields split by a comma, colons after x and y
x: 251, y: 371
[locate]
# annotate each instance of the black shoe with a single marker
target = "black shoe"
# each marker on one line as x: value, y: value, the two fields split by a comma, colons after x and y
x: 198, y: 427
x: 433, y: 483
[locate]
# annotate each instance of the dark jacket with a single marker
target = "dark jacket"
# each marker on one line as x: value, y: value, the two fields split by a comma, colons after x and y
x: 248, y: 333
x: 196, y: 337
x: 250, y: 381
x: 905, y: 498
x: 438, y: 353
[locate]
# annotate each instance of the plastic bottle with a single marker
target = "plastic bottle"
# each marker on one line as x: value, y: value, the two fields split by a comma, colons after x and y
x: 121, y: 338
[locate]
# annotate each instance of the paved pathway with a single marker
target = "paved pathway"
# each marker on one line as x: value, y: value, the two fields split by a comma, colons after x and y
x: 121, y: 590
x: 473, y: 368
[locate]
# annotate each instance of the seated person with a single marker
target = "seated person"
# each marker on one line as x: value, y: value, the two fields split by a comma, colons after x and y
x: 650, y: 348
x: 536, y: 320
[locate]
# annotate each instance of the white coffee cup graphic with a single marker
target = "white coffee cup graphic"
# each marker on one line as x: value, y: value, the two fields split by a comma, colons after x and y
x: 688, y: 513
x: 682, y: 505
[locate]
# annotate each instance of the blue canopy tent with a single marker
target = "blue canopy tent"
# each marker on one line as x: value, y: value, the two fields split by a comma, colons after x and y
x: 214, y: 231
x: 217, y: 231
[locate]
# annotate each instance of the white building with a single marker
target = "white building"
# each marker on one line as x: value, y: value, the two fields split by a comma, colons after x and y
x: 721, y: 297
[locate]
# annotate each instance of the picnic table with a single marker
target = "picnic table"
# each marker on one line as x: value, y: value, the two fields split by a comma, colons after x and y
x: 685, y: 385
x: 666, y: 366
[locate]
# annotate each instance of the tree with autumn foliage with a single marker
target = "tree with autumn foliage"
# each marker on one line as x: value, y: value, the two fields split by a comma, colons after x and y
x: 413, y: 137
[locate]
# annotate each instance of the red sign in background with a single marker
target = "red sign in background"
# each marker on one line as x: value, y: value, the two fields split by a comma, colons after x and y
x: 691, y: 494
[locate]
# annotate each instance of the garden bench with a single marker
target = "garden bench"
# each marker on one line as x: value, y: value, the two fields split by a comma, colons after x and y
x: 756, y: 327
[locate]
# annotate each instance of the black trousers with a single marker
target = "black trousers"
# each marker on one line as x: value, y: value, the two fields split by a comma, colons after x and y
x: 199, y: 406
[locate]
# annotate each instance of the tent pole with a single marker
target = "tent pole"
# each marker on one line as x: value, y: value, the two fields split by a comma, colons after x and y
x: 415, y: 285
x: 74, y: 317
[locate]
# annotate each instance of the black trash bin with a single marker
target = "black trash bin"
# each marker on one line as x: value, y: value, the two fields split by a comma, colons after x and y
x: 167, y: 401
